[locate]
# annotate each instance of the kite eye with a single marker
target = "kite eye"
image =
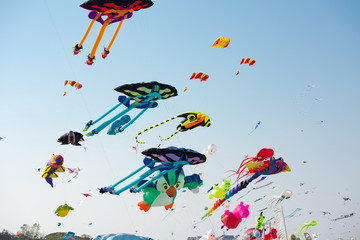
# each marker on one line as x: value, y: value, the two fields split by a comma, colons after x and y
x: 191, y: 117
x: 177, y: 185
x: 165, y: 186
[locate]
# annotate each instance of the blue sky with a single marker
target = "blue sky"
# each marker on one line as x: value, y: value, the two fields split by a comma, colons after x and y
x: 294, y: 43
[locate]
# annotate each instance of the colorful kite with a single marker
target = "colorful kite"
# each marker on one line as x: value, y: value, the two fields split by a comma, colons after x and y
x: 71, y: 138
x: 304, y: 227
x: 221, y: 42
x: 257, y: 168
x: 198, y: 75
x: 63, y: 210
x: 54, y: 165
x: 232, y: 219
x: 169, y: 177
x: 139, y: 95
x: 219, y: 191
x: 191, y: 120
x: 262, y: 155
x: 248, y: 61
x: 73, y: 84
x: 115, y: 11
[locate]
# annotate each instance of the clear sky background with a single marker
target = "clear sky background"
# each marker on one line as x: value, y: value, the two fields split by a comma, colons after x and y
x: 294, y: 43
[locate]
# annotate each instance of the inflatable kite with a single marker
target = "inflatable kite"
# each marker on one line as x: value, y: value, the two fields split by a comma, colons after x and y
x: 221, y: 42
x: 166, y: 165
x: 54, y: 165
x: 304, y: 227
x: 139, y: 95
x: 73, y: 84
x: 232, y: 219
x: 248, y: 61
x: 198, y: 75
x: 63, y: 210
x: 255, y: 168
x: 210, y: 151
x: 271, y: 235
x: 115, y: 11
x: 263, y: 154
x: 260, y: 221
x: 275, y: 200
x: 191, y: 120
x: 209, y: 236
x: 219, y: 191
x: 71, y: 138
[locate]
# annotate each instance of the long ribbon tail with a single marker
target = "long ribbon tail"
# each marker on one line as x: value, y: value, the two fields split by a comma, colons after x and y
x: 145, y: 130
x: 231, y: 193
x: 161, y: 139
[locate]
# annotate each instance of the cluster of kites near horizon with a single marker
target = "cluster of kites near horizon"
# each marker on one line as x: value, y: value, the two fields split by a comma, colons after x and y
x: 160, y: 176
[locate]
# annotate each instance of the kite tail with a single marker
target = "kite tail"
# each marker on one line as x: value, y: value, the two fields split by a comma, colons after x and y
x: 147, y: 129
x: 231, y: 193
x: 161, y: 139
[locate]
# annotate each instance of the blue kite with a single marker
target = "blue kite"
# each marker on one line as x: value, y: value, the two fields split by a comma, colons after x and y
x: 138, y: 95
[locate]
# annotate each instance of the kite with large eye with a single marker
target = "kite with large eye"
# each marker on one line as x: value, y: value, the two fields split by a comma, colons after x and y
x: 275, y: 200
x: 191, y: 120
x: 167, y: 166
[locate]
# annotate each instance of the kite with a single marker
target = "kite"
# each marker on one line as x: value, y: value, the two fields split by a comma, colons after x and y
x: 210, y: 151
x: 260, y: 221
x: 86, y: 195
x: 54, y: 165
x: 198, y: 75
x: 161, y: 189
x: 248, y: 61
x: 59, y: 224
x: 259, y: 199
x: 73, y: 173
x: 221, y: 42
x: 71, y: 138
x: 232, y: 219
x: 346, y: 199
x: 343, y: 216
x: 219, y: 191
x: 293, y: 213
x: 263, y: 154
x: 73, y: 84
x: 275, y: 200
x: 304, y: 227
x: 185, y: 89
x: 115, y: 11
x: 255, y: 128
x: 144, y: 96
x: 69, y: 235
x: 237, y: 73
x: 63, y: 210
x: 1, y: 138
x: 325, y: 213
x: 257, y: 168
x: 210, y: 235
x: 271, y: 235
x: 191, y: 120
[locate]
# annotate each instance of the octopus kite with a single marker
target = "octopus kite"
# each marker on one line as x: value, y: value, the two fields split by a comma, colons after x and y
x: 115, y: 11
x: 169, y: 177
x: 191, y: 120
x: 255, y: 169
x: 138, y: 95
x: 242, y: 171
